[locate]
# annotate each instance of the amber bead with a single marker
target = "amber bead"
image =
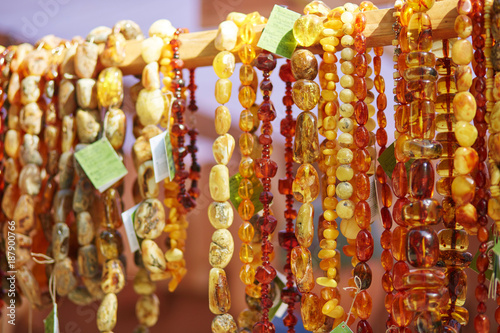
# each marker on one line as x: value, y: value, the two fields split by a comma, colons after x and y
x: 363, y: 305
x: 306, y: 146
x: 111, y: 244
x: 466, y: 215
x: 364, y: 273
x: 465, y: 160
x: 422, y: 247
x: 219, y: 295
x: 112, y: 206
x: 306, y: 185
x: 301, y: 265
x: 399, y: 243
x: 420, y: 32
x: 422, y: 124
x: 428, y: 149
x: 110, y: 87
x: 423, y: 212
x: 463, y: 189
x: 364, y: 245
x: 305, y: 94
x: 422, y: 179
x: 224, y: 64
x: 310, y: 309
x: 402, y: 316
x: 304, y: 229
x: 452, y: 239
x: 307, y: 29
x: 304, y: 65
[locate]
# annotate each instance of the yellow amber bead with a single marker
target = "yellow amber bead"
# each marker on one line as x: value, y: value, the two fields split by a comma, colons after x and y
x: 306, y: 184
x: 464, y: 106
x: 306, y: 146
x: 304, y: 230
x: 317, y: 8
x: 344, y: 173
x: 246, y: 120
x: 246, y: 167
x: 307, y: 29
x: 246, y: 54
x: 247, y: 74
x: 224, y: 64
x: 246, y: 232
x: 462, y: 52
x: 465, y: 133
x: 219, y: 297
x: 302, y: 269
x: 110, y: 87
x: 222, y: 120
x: 245, y: 189
x: 310, y: 310
x: 246, y: 209
x: 247, y: 274
x: 246, y: 253
x: 219, y: 183
x: 246, y: 143
x: 345, y: 209
x: 420, y: 5
x: 247, y: 33
x: 246, y: 96
x: 223, y: 90
x: 305, y: 94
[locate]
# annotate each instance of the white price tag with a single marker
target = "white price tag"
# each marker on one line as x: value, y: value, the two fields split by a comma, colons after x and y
x: 128, y: 222
x: 160, y: 160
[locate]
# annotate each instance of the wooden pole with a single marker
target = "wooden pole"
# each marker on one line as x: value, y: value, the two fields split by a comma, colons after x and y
x: 198, y: 48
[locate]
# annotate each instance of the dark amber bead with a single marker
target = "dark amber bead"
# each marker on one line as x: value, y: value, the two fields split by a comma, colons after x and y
x: 422, y: 247
x: 400, y: 180
x: 397, y: 211
x: 304, y: 65
x: 112, y: 206
x: 361, y: 112
x: 265, y: 168
x: 422, y: 179
x: 287, y: 240
x: 399, y: 270
x: 364, y: 245
x: 402, y: 118
x: 362, y: 160
x: 265, y: 61
x: 362, y: 214
x: 422, y: 124
x: 399, y: 243
x: 364, y: 273
x: 265, y: 274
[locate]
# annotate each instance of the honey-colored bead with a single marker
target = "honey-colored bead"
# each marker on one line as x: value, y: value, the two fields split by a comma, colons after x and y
x: 219, y: 183
x: 246, y: 253
x: 246, y: 96
x: 110, y: 87
x: 462, y: 52
x: 310, y: 310
x: 307, y: 29
x: 106, y: 313
x: 420, y: 32
x: 220, y: 214
x: 452, y: 239
x: 115, y: 125
x: 222, y: 120
x: 147, y: 310
x: 420, y: 5
x: 306, y: 94
x: 247, y: 274
x: 465, y: 133
x: 143, y: 284
x: 223, y: 148
x: 223, y: 91
x: 113, y: 276
x: 463, y: 26
x: 219, y: 297
x: 463, y: 78
x: 224, y: 64
x: 221, y: 248
x: 301, y: 264
x: 306, y: 146
x: 464, y: 106
x: 306, y: 185
x: 304, y: 230
x: 463, y: 189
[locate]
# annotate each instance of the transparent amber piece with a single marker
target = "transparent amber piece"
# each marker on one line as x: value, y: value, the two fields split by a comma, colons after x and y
x: 246, y: 96
x: 246, y: 253
x: 304, y: 230
x: 306, y: 146
x: 301, y: 264
x: 110, y: 87
x: 420, y: 32
x: 307, y: 29
x: 224, y: 64
x: 428, y: 149
x: 224, y: 324
x: 218, y: 291
x: 420, y: 5
x: 422, y: 124
x: 422, y: 247
x: 306, y: 94
x: 306, y: 184
x: 423, y: 212
x: 310, y: 310
x: 247, y: 74
x: 452, y: 239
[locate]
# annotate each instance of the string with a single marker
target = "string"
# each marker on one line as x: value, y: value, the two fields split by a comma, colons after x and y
x: 357, y: 282
x: 393, y: 328
x: 46, y: 260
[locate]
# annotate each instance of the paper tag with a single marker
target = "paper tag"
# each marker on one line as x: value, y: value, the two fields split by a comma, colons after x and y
x: 170, y: 157
x: 342, y: 328
x: 234, y: 183
x: 160, y: 160
x: 277, y: 37
x: 51, y: 323
x: 101, y: 164
x: 496, y: 248
x: 128, y: 222
x: 279, y: 308
x: 388, y: 161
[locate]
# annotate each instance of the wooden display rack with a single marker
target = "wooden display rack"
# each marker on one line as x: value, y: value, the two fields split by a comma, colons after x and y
x: 198, y: 48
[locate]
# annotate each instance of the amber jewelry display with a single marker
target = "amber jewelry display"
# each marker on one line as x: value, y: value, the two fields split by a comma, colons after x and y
x: 220, y: 212
x: 287, y: 238
x: 328, y: 112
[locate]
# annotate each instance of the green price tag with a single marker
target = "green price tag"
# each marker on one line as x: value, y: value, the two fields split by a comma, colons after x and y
x: 388, y: 161
x: 277, y: 36
x: 496, y: 248
x: 170, y: 157
x: 342, y: 328
x: 51, y: 323
x: 234, y: 183
x: 101, y: 164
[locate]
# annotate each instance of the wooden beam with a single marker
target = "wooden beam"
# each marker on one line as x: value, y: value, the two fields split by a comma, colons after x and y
x: 197, y: 48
